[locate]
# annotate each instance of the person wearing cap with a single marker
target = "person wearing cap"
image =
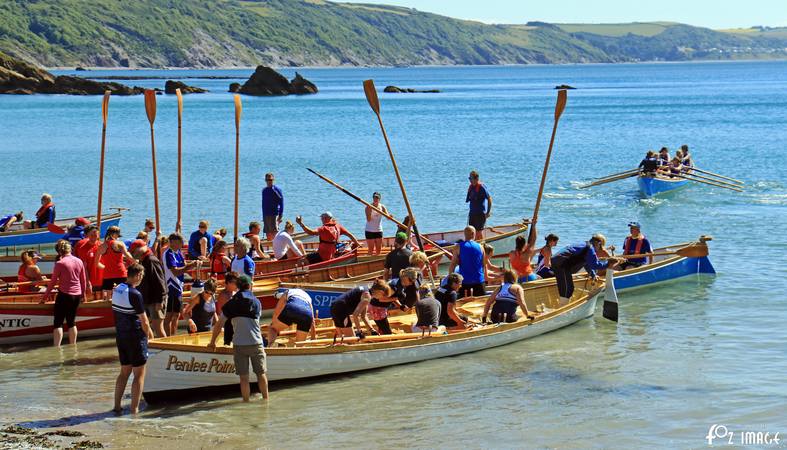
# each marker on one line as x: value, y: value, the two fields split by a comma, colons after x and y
x: 284, y: 247
x: 329, y: 234
x: 374, y: 225
x: 398, y: 258
x: 76, y: 232
x: 111, y: 257
x: 153, y: 286
x: 45, y: 214
x: 29, y: 274
x: 201, y: 309
x: 201, y: 241
x: 480, y: 204
x: 571, y: 259
x: 293, y: 306
x: 175, y: 266
x: 272, y: 207
x: 86, y: 251
x: 71, y: 280
x: 635, y: 244
x: 7, y: 222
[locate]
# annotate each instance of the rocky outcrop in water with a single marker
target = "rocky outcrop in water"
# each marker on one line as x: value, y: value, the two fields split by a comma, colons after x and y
x: 267, y: 82
x: 398, y: 90
x: 234, y: 87
x: 19, y: 77
x: 171, y: 85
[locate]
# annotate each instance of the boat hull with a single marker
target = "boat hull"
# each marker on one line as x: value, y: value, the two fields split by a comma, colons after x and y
x: 42, y: 236
x: 652, y: 186
x: 661, y: 271
x: 31, y: 322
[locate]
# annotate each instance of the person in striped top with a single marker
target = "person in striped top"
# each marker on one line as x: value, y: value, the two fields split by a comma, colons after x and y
x: 174, y: 268
x: 132, y: 334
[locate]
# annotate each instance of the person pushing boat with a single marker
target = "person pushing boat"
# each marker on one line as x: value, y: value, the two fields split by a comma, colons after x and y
x: 468, y: 256
x: 329, y: 233
x: 350, y: 308
x: 571, y: 259
x: 636, y: 244
x: 272, y: 207
x: 293, y: 306
x: 480, y: 201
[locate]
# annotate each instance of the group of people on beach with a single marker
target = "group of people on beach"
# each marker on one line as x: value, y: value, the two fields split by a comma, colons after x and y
x: 662, y: 164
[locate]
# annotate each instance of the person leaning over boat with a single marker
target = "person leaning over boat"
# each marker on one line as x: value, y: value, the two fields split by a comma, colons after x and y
x: 175, y: 266
x: 544, y: 261
x: 649, y: 165
x: 348, y: 309
x: 284, y: 247
x: 468, y: 255
x: 427, y: 313
x: 398, y: 258
x: 480, y: 204
x: 293, y: 306
x: 520, y: 258
x: 635, y: 244
x: 132, y: 334
x: 407, y: 288
x: 571, y: 259
x: 329, y: 233
x: 219, y: 261
x: 153, y: 286
x: 45, y: 214
x: 272, y: 207
x: 201, y: 309
x: 86, y: 251
x: 111, y: 257
x: 242, y: 318
x: 379, y: 306
x: 7, y: 222
x: 242, y: 263
x: 29, y: 274
x: 71, y: 280
x: 505, y: 300
x: 374, y: 225
x: 201, y: 241
x: 230, y: 288
x: 446, y: 295
x: 256, y: 252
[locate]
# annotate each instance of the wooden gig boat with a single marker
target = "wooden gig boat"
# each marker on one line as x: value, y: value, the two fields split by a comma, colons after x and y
x: 18, y: 239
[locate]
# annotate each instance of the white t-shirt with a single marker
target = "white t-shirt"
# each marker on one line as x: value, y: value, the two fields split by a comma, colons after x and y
x: 283, y: 242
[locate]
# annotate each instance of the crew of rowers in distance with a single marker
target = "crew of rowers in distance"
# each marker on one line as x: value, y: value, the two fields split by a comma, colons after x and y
x: 660, y: 163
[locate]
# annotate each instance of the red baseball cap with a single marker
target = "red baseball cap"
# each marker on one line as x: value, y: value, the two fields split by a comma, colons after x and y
x: 137, y: 244
x: 82, y: 221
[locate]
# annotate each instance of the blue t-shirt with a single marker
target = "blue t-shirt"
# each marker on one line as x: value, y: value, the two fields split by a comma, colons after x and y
x: 75, y: 234
x: 272, y: 201
x: 127, y: 304
x: 243, y: 265
x: 471, y: 262
x: 194, y: 248
x: 173, y: 259
x: 477, y: 197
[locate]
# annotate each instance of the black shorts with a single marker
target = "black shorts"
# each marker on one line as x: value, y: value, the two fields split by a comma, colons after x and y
x: 174, y: 300
x: 477, y: 220
x: 374, y: 234
x: 472, y: 289
x: 132, y: 349
x: 66, y: 309
x: 505, y: 310
x: 341, y: 315
x: 289, y: 316
x: 313, y: 258
x: 109, y: 283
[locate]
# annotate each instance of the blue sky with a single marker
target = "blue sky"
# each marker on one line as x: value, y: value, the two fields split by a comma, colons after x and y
x: 706, y: 13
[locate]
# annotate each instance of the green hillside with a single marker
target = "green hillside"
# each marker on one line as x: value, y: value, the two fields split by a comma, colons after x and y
x: 210, y: 33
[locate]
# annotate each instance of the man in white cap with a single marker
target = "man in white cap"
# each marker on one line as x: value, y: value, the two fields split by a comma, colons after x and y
x: 636, y: 244
x: 329, y: 234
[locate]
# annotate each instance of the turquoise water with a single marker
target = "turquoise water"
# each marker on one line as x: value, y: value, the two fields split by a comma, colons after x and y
x: 684, y: 356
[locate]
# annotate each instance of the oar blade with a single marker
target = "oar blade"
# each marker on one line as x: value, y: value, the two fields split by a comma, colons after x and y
x: 180, y: 105
x: 610, y: 310
x: 371, y: 95
x: 238, y: 111
x: 562, y: 97
x: 150, y: 105
x: 105, y: 107
x: 693, y: 251
x: 52, y: 228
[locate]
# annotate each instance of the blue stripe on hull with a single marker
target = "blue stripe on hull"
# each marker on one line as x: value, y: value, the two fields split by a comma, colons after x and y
x: 45, y: 237
x: 653, y: 186
x: 680, y: 268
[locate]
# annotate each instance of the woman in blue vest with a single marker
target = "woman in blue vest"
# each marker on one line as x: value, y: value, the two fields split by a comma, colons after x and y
x: 468, y: 256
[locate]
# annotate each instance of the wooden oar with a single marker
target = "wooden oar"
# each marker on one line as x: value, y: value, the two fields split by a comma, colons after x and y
x: 717, y: 175
x: 379, y: 211
x: 104, y: 114
x: 691, y: 178
x: 618, y: 174
x: 690, y: 251
x: 150, y: 109
x: 178, y: 222
x: 374, y: 102
x: 559, y: 107
x: 238, y: 110
x: 714, y: 180
x: 609, y: 180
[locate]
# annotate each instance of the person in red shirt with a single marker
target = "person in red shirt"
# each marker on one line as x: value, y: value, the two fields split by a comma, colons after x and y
x: 86, y: 251
x: 112, y: 256
x: 329, y: 234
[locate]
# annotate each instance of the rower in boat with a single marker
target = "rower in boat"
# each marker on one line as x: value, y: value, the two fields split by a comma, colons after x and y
x: 201, y: 241
x: 505, y: 300
x: 45, y: 214
x: 175, y: 266
x: 664, y: 157
x: 242, y: 263
x: 520, y: 259
x: 329, y: 233
x: 469, y: 257
x: 284, y: 247
x: 480, y: 201
x: 240, y: 318
x: 378, y: 309
x: 220, y: 234
x: 571, y: 259
x: 446, y: 294
x: 687, y: 161
x: 201, y: 309
x: 111, y: 257
x: 293, y: 306
x: 86, y: 251
x: 256, y: 253
x: 398, y: 258
x: 219, y: 261
x: 374, y: 225
x: 675, y: 166
x: 635, y: 244
x: 6, y: 222
x: 29, y: 274
x: 649, y: 165
x: 544, y: 261
x: 153, y: 286
x: 350, y: 308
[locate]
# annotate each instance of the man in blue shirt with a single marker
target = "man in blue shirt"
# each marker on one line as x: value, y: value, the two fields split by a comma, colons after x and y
x: 201, y: 242
x: 571, y: 259
x: 272, y: 207
x: 480, y: 204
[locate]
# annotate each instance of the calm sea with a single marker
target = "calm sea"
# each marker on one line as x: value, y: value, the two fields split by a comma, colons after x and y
x: 684, y: 356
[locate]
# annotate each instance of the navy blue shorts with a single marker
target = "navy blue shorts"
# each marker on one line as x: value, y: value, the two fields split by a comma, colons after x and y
x: 292, y: 315
x: 174, y: 300
x: 501, y: 310
x: 132, y: 349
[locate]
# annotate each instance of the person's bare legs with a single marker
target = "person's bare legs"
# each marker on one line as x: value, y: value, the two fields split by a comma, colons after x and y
x: 262, y: 383
x: 300, y: 246
x: 245, y: 389
x: 120, y: 385
x: 136, y: 388
x: 57, y: 336
x: 72, y: 334
x: 171, y: 323
x: 158, y: 327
